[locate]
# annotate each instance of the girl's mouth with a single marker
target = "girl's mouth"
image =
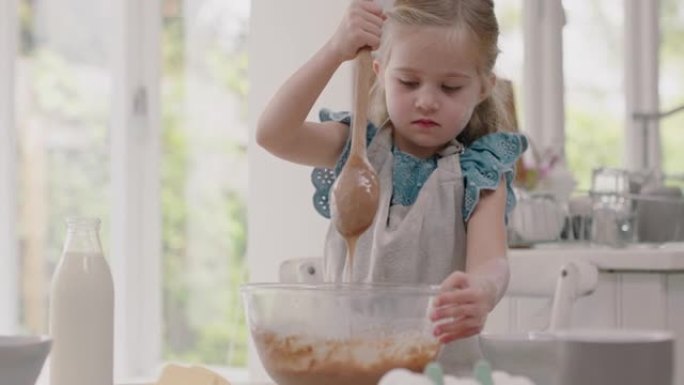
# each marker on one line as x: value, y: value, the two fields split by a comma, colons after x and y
x: 425, y: 123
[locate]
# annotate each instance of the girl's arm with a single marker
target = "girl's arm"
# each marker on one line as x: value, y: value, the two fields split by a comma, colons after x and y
x: 469, y: 296
x: 486, y: 245
x: 282, y: 129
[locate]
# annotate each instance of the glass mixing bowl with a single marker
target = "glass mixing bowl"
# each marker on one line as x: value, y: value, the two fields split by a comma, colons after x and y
x: 339, y: 334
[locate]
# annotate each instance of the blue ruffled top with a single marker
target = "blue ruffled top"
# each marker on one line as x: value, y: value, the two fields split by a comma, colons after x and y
x: 483, y: 163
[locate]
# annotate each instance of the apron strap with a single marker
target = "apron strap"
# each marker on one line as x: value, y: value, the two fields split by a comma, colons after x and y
x: 449, y: 164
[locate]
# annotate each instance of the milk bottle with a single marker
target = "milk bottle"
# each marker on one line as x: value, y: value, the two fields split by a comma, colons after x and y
x: 82, y: 310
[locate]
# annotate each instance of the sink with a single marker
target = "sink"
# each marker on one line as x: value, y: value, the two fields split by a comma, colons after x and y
x: 588, y: 357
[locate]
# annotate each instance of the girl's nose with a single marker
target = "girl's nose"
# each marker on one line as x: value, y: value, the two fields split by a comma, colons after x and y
x: 426, y: 101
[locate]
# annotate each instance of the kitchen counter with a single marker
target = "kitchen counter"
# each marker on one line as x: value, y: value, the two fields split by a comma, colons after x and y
x: 640, y: 286
x: 666, y: 258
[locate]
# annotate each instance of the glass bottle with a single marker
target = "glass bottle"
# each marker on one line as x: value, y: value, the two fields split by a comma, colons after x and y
x: 82, y: 310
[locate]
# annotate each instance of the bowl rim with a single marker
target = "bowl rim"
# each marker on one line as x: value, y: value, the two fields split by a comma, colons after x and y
x: 24, y: 340
x: 344, y: 288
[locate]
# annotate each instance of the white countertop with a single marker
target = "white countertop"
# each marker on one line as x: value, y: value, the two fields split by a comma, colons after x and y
x: 153, y: 383
x: 665, y: 258
x: 43, y: 380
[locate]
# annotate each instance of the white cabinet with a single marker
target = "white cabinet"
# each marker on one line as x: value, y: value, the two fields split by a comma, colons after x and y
x: 639, y: 287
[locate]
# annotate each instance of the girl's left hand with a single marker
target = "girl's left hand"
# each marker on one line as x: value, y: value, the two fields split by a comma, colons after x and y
x: 461, y: 309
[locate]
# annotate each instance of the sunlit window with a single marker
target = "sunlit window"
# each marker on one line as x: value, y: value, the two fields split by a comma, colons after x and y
x: 204, y: 180
x: 63, y: 116
x: 594, y: 93
x: 510, y: 61
x: 63, y: 94
x: 672, y: 88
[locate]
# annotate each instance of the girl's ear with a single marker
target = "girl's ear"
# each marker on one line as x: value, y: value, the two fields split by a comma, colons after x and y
x: 377, y: 68
x: 488, y: 84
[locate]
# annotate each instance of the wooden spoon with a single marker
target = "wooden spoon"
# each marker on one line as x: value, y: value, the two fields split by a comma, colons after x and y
x: 356, y: 190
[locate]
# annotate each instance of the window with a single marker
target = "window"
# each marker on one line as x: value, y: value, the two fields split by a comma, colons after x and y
x: 594, y: 92
x: 63, y: 95
x: 510, y: 61
x: 204, y: 180
x: 86, y: 95
x: 672, y: 88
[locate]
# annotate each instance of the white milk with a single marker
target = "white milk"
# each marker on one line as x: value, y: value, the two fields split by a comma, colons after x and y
x: 82, y: 311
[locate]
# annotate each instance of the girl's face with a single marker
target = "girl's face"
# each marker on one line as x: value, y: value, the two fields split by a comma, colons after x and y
x: 432, y: 86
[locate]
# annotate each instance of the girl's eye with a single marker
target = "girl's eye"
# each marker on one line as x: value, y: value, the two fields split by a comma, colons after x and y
x: 408, y: 83
x: 449, y: 89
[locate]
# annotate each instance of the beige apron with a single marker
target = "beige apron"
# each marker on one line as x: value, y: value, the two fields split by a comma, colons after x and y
x: 419, y: 244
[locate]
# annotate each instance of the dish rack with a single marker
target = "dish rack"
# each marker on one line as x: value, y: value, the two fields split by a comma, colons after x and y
x: 596, y: 217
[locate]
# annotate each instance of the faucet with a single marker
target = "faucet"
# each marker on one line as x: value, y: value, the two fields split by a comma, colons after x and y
x: 645, y: 118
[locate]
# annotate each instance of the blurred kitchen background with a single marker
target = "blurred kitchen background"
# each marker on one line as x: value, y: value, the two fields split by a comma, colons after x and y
x: 139, y: 112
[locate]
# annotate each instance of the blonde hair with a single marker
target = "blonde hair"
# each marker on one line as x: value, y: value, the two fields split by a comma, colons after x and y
x: 475, y: 17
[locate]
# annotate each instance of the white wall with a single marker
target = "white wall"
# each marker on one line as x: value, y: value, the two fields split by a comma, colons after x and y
x: 282, y: 221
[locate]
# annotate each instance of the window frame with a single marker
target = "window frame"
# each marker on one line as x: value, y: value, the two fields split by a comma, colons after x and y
x: 642, y: 73
x: 543, y: 85
x: 9, y: 293
x: 136, y: 208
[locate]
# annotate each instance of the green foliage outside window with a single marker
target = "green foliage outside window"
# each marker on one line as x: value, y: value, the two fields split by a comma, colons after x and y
x: 190, y: 337
x: 672, y: 87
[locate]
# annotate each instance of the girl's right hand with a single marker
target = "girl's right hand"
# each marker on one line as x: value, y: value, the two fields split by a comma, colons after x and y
x: 360, y: 27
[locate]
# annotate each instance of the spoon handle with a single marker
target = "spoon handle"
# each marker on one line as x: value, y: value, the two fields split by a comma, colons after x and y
x: 363, y: 71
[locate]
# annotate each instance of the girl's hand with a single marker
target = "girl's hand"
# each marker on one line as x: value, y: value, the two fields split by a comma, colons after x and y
x: 461, y: 309
x: 360, y: 27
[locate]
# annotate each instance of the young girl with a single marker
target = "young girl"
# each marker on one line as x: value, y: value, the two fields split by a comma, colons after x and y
x: 445, y: 172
